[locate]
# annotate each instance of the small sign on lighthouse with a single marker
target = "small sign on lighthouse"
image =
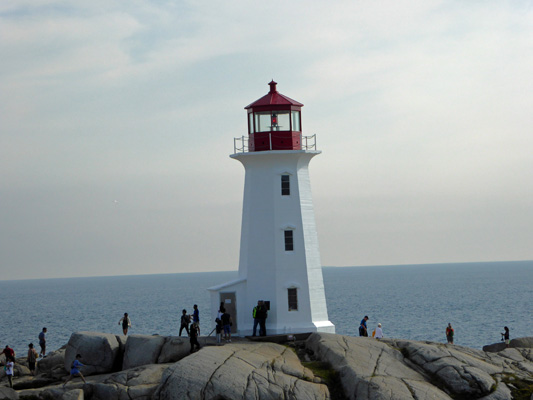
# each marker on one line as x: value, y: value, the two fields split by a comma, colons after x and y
x: 279, y: 264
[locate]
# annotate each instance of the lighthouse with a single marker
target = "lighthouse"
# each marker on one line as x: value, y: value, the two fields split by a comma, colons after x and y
x: 279, y: 261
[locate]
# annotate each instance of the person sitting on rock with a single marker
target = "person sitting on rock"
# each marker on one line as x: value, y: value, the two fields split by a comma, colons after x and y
x: 75, y: 370
x: 378, y: 332
x: 505, y: 335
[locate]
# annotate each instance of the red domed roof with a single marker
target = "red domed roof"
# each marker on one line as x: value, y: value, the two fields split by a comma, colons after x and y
x: 274, y: 98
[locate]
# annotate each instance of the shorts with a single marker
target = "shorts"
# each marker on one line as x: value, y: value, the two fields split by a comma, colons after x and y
x: 31, y: 365
x: 227, y: 328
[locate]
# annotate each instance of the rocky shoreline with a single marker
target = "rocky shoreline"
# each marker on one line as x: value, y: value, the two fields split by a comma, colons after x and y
x: 324, y: 366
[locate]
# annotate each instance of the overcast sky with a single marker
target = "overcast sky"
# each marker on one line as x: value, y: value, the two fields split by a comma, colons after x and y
x: 117, y: 121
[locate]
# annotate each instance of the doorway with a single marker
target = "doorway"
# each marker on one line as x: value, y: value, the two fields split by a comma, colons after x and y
x: 230, y: 304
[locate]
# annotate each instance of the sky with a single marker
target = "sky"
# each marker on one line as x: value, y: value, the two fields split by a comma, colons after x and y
x: 117, y: 120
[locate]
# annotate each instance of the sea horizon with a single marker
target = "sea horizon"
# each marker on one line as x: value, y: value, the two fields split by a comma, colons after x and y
x: 429, y: 265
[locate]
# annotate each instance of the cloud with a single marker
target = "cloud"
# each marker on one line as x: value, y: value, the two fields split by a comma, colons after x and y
x: 421, y: 110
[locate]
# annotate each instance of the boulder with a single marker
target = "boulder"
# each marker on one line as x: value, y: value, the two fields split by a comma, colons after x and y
x: 495, y: 347
x: 76, y: 394
x: 391, y: 369
x: 133, y: 384
x: 240, y: 371
x: 142, y: 350
x: 372, y: 369
x: 50, y: 363
x: 524, y: 343
x: 174, y: 349
x: 8, y: 394
x: 98, y: 350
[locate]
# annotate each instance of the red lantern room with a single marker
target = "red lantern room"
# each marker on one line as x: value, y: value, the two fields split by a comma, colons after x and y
x: 274, y: 122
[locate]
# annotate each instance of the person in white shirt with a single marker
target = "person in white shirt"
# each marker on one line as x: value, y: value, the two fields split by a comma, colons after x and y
x: 10, y: 364
x: 379, y: 332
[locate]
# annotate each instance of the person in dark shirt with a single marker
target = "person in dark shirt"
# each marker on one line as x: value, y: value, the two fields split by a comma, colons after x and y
x: 363, y: 331
x: 185, y: 320
x: 193, y: 334
x: 226, y: 323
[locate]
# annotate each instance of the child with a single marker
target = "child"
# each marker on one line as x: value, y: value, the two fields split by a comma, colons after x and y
x: 32, y: 358
x: 10, y: 364
x: 219, y: 329
x: 75, y: 370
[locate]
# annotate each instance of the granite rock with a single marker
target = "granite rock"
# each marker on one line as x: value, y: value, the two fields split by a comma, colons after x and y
x: 142, y: 350
x: 240, y: 371
x: 98, y: 350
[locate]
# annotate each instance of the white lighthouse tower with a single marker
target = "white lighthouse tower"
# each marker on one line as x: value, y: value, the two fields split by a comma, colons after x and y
x: 279, y: 255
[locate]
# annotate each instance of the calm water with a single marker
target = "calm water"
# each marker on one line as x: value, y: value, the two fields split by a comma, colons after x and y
x: 411, y: 302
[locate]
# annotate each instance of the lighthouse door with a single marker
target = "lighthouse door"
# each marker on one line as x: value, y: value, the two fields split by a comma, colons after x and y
x: 230, y: 304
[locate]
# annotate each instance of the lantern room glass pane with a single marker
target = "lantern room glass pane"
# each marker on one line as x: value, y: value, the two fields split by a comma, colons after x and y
x: 295, y: 115
x: 250, y: 123
x: 281, y: 121
x: 263, y: 121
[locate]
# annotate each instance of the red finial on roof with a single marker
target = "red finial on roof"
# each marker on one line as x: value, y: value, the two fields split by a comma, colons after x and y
x: 273, y: 86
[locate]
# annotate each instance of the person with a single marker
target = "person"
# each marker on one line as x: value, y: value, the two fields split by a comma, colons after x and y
x: 449, y: 333
x: 219, y: 328
x: 255, y: 316
x: 196, y: 314
x: 10, y: 364
x: 193, y: 334
x: 226, y: 323
x: 262, y: 315
x: 126, y: 323
x: 8, y: 352
x: 185, y: 321
x: 75, y: 370
x: 32, y: 358
x: 378, y: 332
x: 363, y: 331
x: 42, y: 342
x: 505, y: 335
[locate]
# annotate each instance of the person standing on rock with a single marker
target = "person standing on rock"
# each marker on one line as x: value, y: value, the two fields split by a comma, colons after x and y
x: 226, y: 323
x: 262, y: 315
x: 42, y: 342
x: 449, y: 333
x: 10, y: 365
x: 505, y: 335
x: 196, y: 314
x: 126, y: 323
x: 363, y: 331
x: 75, y: 370
x: 32, y: 358
x: 8, y: 352
x: 185, y: 321
x: 193, y: 334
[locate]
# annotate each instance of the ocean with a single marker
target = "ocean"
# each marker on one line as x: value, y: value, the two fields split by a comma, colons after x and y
x: 410, y: 301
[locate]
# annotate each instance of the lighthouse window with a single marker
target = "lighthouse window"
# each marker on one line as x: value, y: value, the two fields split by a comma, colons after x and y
x: 283, y: 118
x: 263, y: 121
x: 251, y: 123
x: 289, y: 241
x: 285, y: 185
x: 295, y: 116
x: 293, y: 299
